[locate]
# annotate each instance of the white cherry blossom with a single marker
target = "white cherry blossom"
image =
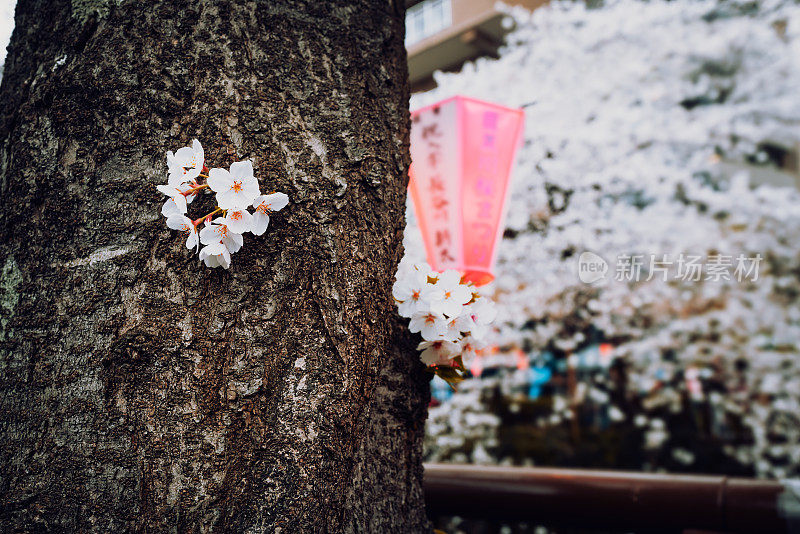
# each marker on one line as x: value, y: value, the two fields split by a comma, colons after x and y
x: 425, y: 268
x: 179, y: 190
x: 264, y: 205
x: 453, y: 332
x: 183, y: 223
x: 475, y: 329
x: 408, y: 292
x: 439, y: 352
x: 454, y: 294
x: 239, y: 220
x: 449, y: 315
x: 476, y: 317
x: 431, y: 296
x: 469, y: 347
x: 216, y: 255
x: 186, y: 164
x: 464, y: 322
x: 219, y: 231
x: 430, y: 324
x: 235, y: 189
x: 407, y: 269
x: 174, y: 206
x: 483, y: 310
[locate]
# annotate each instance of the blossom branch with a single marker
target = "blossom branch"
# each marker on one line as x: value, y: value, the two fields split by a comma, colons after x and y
x: 236, y: 191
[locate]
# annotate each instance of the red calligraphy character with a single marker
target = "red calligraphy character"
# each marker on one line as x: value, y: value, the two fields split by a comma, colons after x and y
x: 485, y: 210
x: 480, y: 254
x: 445, y: 257
x: 432, y: 130
x: 442, y: 238
x: 433, y: 145
x: 483, y: 230
x: 490, y: 120
x: 484, y: 186
x: 440, y: 203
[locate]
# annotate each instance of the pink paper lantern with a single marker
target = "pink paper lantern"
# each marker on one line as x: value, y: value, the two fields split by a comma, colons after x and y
x: 462, y: 151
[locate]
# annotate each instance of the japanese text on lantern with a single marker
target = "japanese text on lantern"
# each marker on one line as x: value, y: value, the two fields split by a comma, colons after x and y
x: 432, y: 135
x: 462, y: 150
x: 435, y: 166
x: 493, y: 134
x: 484, y: 189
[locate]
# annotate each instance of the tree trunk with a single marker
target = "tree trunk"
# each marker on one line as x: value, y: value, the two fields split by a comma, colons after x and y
x: 142, y: 391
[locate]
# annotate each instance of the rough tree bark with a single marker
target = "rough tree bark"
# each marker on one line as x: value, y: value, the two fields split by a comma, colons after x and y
x: 141, y: 391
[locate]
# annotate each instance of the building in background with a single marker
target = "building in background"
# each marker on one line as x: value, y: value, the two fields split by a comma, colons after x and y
x: 443, y: 34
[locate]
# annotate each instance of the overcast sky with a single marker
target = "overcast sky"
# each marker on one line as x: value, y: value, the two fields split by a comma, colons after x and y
x: 6, y: 25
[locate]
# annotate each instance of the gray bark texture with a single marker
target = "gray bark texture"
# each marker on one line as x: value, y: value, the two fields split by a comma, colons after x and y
x: 143, y: 392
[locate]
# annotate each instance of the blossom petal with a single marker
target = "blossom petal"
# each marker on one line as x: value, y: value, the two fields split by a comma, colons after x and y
x: 429, y: 356
x: 479, y: 331
x: 407, y: 308
x: 438, y: 352
x: 192, y: 241
x: 260, y: 223
x: 168, y: 190
x: 275, y: 201
x: 250, y: 191
x: 192, y: 173
x: 210, y: 261
x: 171, y: 207
x: 180, y: 201
x: 226, y: 199
x: 239, y: 221
x: 233, y: 200
x: 176, y: 177
x: 484, y: 311
x: 450, y: 278
x: 450, y: 307
x: 198, y: 150
x: 401, y: 290
x: 180, y: 222
x: 210, y: 234
x: 233, y: 241
x: 184, y: 155
x: 242, y: 169
x: 461, y: 294
x: 219, y: 180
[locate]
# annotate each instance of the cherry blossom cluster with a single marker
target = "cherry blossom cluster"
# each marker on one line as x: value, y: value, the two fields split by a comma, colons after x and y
x: 452, y: 317
x: 236, y: 191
